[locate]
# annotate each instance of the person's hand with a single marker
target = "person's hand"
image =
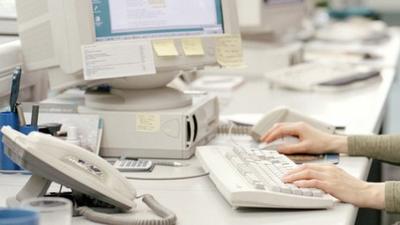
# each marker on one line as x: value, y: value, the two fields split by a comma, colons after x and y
x: 312, y: 140
x: 339, y: 184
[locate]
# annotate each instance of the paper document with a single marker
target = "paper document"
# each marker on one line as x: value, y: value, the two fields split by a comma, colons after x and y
x: 217, y: 83
x: 157, y: 3
x: 117, y: 59
x: 249, y: 12
x: 192, y: 46
x: 229, y: 51
x: 165, y: 47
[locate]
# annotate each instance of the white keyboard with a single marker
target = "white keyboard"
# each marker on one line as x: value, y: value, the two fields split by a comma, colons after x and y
x: 252, y: 178
x: 311, y: 76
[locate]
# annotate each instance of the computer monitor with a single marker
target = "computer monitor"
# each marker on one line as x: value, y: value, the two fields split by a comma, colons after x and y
x: 53, y: 31
x: 33, y: 86
x: 270, y: 16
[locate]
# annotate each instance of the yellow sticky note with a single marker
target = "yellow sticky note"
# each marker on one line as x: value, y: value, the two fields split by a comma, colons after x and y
x: 157, y: 3
x: 192, y: 46
x: 229, y: 51
x: 165, y: 47
x: 148, y: 123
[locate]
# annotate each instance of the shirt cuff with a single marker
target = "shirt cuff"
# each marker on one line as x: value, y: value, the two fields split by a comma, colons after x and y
x: 392, y: 196
x: 356, y: 145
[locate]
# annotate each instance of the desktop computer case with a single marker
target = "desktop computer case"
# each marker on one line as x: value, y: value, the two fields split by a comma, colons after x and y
x: 173, y: 133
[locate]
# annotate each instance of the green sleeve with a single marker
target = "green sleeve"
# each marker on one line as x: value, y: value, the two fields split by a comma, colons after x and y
x: 392, y: 196
x: 385, y: 147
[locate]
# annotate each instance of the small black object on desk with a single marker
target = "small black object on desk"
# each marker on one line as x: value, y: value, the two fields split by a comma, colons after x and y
x: 50, y: 128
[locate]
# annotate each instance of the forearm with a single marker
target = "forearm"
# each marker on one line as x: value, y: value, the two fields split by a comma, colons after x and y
x: 385, y: 147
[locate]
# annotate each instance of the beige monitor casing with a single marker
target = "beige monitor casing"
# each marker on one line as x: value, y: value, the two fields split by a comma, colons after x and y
x: 53, y: 31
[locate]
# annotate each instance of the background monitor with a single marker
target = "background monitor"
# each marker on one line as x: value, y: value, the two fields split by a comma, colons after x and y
x: 33, y: 86
x: 53, y: 31
x: 270, y: 16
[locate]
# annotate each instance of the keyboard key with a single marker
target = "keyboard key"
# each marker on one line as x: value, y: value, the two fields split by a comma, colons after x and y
x: 306, y: 191
x: 317, y: 192
x: 295, y: 190
x: 285, y: 189
x: 243, y: 169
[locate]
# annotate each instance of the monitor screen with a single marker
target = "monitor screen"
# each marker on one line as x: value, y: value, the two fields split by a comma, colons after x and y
x: 122, y: 19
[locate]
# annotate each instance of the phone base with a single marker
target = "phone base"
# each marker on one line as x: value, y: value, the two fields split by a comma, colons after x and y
x: 12, y: 202
x: 35, y: 187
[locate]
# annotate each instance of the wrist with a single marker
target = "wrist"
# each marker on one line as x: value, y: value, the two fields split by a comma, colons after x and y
x: 338, y: 144
x: 374, y: 196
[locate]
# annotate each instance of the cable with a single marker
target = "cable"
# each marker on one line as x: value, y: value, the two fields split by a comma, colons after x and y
x: 230, y: 135
x: 169, y: 178
x: 167, y: 216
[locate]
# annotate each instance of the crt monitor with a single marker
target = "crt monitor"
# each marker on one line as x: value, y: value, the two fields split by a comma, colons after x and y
x: 33, y: 86
x: 53, y: 31
x: 270, y: 16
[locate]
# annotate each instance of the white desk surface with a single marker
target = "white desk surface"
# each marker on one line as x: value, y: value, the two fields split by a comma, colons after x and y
x: 7, y: 38
x: 197, y: 202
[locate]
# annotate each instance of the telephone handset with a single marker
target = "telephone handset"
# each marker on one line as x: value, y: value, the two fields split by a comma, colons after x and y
x: 277, y: 115
x: 50, y: 159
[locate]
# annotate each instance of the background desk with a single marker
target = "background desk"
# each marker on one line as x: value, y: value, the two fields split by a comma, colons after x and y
x: 197, y: 202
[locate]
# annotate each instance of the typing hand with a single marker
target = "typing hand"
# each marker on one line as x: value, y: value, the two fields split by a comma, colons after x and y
x: 339, y: 184
x: 312, y: 140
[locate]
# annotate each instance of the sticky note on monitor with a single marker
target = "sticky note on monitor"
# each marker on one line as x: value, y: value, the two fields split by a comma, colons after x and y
x: 193, y: 46
x: 165, y: 47
x: 229, y: 52
x: 116, y: 59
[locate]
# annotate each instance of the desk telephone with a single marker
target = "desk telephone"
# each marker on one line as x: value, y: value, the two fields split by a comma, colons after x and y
x: 86, y: 174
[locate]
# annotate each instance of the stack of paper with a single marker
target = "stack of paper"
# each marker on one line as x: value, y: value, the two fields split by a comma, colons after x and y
x: 217, y: 83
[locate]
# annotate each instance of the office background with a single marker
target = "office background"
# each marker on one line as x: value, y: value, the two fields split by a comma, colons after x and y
x: 389, y: 11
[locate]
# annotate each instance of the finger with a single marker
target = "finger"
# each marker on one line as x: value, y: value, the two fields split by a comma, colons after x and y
x: 292, y: 149
x: 321, y: 168
x: 314, y: 183
x: 310, y: 166
x: 271, y: 130
x: 304, y: 175
x: 281, y: 131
